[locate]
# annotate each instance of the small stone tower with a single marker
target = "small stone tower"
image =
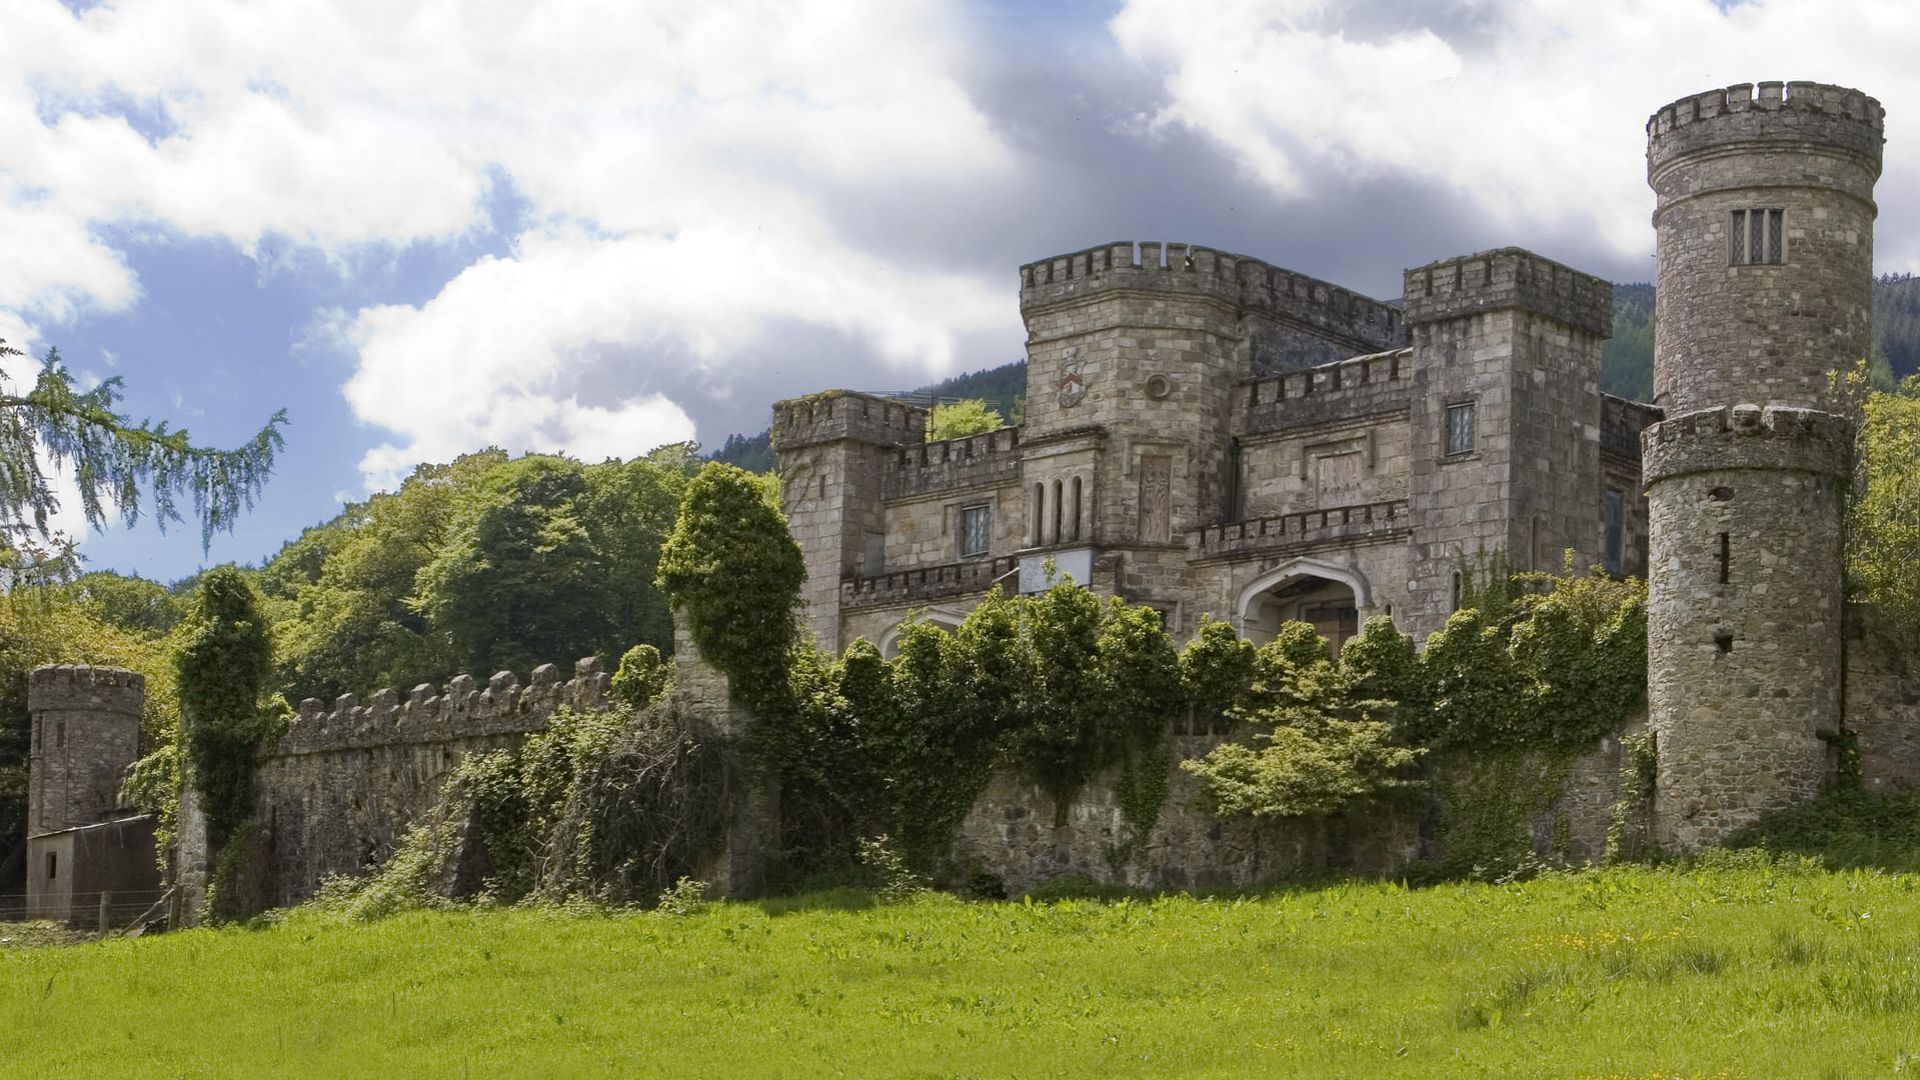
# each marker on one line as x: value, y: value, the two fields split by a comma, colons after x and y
x: 833, y: 451
x: 86, y: 731
x: 1765, y: 220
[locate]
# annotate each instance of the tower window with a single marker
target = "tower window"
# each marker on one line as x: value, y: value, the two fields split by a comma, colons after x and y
x: 1460, y: 428
x: 1756, y: 236
x: 1613, y: 533
x: 53, y: 865
x: 976, y: 530
x: 1726, y: 559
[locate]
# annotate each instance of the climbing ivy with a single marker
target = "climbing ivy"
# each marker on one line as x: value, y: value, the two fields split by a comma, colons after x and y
x: 732, y: 568
x: 225, y: 654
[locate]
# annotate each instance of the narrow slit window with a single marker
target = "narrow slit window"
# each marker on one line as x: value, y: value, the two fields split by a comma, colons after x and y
x: 1039, y: 513
x: 1076, y: 508
x: 53, y: 865
x: 1456, y: 590
x: 1726, y: 558
x: 1056, y: 511
x: 1615, y: 532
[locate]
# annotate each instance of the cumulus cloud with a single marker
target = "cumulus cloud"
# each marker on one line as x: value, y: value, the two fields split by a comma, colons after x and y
x: 675, y: 160
x: 1531, y: 111
x: 713, y: 203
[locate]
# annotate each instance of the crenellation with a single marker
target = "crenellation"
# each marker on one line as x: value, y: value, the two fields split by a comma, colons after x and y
x: 989, y: 458
x: 429, y: 715
x: 1509, y: 278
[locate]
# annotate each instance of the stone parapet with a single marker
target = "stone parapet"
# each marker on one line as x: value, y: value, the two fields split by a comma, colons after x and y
x: 1509, y: 278
x: 1338, y: 524
x: 1359, y: 386
x: 990, y: 458
x: 1246, y: 284
x: 81, y: 686
x: 845, y: 414
x: 1781, y: 114
x: 973, y: 576
x: 462, y: 710
x: 1747, y: 437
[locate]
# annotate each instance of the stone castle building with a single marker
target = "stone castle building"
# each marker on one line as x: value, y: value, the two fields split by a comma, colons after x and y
x: 1215, y: 436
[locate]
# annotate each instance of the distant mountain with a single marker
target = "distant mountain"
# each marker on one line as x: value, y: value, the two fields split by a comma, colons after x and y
x: 1626, y: 363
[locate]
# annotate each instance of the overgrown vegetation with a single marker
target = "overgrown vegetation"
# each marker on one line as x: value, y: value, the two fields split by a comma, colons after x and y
x: 1883, y: 527
x: 225, y: 653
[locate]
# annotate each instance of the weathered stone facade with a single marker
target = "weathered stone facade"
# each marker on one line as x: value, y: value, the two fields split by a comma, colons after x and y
x: 1189, y: 445
x: 1765, y: 220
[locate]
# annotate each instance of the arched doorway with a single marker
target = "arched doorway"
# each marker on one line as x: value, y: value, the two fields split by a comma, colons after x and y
x: 946, y: 620
x: 1326, y: 595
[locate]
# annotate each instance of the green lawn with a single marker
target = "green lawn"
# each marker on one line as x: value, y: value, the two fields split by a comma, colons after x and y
x: 1741, y: 970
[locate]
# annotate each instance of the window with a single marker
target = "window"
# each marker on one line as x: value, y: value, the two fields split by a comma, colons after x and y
x: 53, y: 865
x: 1755, y: 236
x: 1459, y: 428
x: 976, y: 531
x: 1614, y: 533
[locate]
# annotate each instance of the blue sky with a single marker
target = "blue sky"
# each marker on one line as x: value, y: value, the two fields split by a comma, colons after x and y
x: 427, y: 228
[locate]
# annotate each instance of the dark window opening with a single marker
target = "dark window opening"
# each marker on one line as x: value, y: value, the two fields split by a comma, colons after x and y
x: 1721, y: 494
x: 1075, y: 528
x: 1723, y: 642
x: 1756, y: 237
x: 1726, y: 559
x: 976, y: 530
x: 1615, y: 533
x: 59, y: 733
x: 1456, y: 590
x: 53, y: 865
x: 1460, y: 426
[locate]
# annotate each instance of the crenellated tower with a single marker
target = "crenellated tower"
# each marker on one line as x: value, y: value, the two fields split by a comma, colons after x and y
x: 834, y: 449
x: 86, y: 732
x: 1765, y: 220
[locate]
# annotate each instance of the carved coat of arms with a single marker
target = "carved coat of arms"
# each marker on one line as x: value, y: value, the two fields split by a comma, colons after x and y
x: 1073, y: 380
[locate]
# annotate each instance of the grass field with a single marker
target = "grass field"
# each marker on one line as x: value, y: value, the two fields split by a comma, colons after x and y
x: 1735, y: 969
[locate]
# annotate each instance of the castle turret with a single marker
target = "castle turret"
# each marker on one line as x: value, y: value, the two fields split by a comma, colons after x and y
x: 86, y: 731
x: 833, y: 449
x: 1765, y: 220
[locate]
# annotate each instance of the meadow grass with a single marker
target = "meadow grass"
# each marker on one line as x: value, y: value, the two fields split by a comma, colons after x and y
x: 1742, y: 966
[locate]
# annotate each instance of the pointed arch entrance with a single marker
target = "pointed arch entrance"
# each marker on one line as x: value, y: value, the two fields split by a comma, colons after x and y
x: 1328, y: 595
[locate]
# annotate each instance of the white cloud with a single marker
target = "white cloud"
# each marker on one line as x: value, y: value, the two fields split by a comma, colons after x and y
x: 678, y: 159
x: 1533, y: 111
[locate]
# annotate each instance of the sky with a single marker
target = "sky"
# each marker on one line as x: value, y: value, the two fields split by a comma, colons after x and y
x: 430, y: 227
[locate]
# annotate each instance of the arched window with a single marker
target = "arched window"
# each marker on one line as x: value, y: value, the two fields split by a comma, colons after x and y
x: 1076, y: 508
x: 1054, y: 533
x: 1036, y: 535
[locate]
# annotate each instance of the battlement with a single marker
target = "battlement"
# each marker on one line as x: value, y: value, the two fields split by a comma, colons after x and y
x: 1781, y: 114
x: 1240, y: 281
x: 988, y: 458
x: 845, y: 414
x: 1509, y: 278
x: 82, y: 686
x: 1747, y: 437
x: 463, y: 710
x: 1357, y: 386
x: 971, y: 577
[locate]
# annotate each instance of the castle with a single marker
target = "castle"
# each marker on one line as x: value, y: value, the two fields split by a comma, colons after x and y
x: 1214, y: 436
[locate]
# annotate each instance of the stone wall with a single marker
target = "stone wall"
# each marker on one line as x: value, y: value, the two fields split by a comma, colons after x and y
x: 1017, y: 833
x: 1882, y: 705
x: 338, y: 791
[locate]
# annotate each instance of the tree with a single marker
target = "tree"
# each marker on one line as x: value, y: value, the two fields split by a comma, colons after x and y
x: 961, y: 419
x: 1883, y: 528
x: 226, y: 651
x: 112, y: 459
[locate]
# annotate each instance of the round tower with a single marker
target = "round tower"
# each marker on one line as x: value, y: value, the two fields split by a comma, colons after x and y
x: 1765, y: 219
x: 86, y: 731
